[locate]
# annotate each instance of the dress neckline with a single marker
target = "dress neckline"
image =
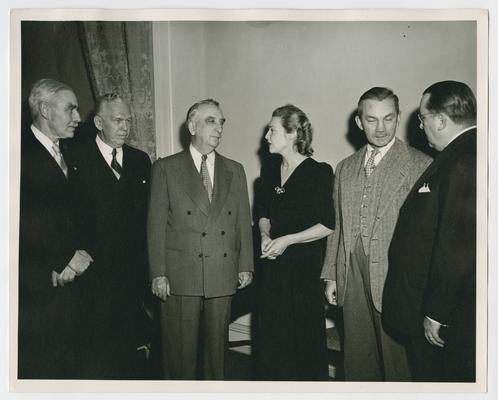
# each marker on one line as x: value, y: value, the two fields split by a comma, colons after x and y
x: 291, y: 174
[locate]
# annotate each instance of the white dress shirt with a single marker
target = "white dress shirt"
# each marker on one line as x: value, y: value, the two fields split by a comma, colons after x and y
x: 380, y: 155
x: 45, y: 141
x: 197, y: 157
x: 106, y: 152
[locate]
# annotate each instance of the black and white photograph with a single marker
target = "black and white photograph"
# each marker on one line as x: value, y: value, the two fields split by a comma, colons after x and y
x: 249, y: 199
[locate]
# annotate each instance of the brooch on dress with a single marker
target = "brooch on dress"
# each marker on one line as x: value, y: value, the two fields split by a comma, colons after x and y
x: 279, y: 190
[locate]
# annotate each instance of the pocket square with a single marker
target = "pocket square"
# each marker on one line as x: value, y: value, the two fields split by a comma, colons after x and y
x: 424, y: 188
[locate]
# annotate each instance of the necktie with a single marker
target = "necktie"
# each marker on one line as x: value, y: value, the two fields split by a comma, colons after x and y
x: 205, y: 177
x: 115, y: 165
x: 59, y: 158
x: 370, y: 165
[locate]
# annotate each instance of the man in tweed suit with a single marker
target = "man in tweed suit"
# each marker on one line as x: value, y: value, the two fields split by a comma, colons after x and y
x: 369, y: 189
x: 200, y: 245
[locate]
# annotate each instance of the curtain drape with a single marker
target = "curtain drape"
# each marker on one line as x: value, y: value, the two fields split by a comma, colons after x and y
x: 119, y: 59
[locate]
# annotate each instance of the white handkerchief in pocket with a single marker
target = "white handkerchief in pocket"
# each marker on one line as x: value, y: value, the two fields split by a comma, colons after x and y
x: 424, y: 188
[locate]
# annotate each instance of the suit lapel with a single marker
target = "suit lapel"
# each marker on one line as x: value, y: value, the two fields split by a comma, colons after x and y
x: 350, y: 176
x: 222, y: 181
x: 396, y: 170
x: 47, y: 158
x: 191, y: 182
x: 101, y: 164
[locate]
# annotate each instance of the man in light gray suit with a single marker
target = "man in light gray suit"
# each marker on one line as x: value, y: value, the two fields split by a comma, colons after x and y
x: 200, y: 246
x: 369, y: 189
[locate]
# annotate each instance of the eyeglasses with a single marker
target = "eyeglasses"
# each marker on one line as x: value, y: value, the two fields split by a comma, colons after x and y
x: 421, y: 117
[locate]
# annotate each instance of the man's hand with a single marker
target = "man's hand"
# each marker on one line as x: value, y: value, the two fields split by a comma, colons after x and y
x: 431, y: 331
x: 66, y: 276
x: 80, y: 262
x: 331, y: 292
x: 245, y: 278
x: 160, y: 287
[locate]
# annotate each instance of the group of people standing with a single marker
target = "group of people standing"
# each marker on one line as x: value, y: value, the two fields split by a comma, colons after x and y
x: 392, y: 234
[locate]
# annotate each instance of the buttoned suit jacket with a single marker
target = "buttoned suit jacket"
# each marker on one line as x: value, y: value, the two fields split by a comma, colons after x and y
x: 405, y: 166
x: 200, y: 246
x: 433, y: 251
x: 113, y: 216
x: 48, y: 239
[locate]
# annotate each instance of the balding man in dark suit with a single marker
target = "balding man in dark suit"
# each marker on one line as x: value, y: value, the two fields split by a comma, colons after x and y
x: 112, y: 184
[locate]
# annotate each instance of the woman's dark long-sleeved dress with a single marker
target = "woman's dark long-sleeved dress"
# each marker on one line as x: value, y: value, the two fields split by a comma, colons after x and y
x: 290, y: 336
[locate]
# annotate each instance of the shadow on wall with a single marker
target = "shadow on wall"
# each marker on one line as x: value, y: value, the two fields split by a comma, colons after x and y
x: 416, y: 136
x: 185, y: 136
x: 355, y: 135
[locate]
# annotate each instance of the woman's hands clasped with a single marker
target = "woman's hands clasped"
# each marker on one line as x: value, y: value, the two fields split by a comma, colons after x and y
x: 271, y: 249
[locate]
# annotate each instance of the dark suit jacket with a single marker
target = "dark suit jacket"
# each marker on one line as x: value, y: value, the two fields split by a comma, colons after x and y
x: 200, y: 247
x: 48, y: 239
x: 432, y: 258
x: 112, y: 214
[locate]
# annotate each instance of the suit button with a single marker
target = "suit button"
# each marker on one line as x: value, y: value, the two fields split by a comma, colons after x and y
x: 200, y: 255
x: 203, y: 233
x: 229, y: 213
x: 222, y: 233
x: 224, y: 254
x: 189, y: 212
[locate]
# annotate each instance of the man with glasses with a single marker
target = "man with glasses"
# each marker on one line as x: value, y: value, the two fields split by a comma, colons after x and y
x: 430, y: 289
x: 369, y: 189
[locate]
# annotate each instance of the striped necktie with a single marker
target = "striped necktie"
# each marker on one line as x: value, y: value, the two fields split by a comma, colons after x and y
x: 115, y: 164
x: 205, y: 177
x: 370, y: 165
x: 59, y: 158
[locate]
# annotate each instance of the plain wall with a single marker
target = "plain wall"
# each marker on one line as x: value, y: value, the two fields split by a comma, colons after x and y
x: 322, y: 67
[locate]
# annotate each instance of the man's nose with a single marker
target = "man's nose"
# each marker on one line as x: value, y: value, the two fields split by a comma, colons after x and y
x: 267, y: 136
x: 76, y: 116
x: 124, y: 125
x: 381, y: 126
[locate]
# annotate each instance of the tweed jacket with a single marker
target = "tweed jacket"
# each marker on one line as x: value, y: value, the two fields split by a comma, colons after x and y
x: 200, y: 246
x: 405, y: 166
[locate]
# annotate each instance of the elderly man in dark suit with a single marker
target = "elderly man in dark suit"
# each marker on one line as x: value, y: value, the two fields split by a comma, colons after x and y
x: 430, y: 289
x: 111, y: 182
x: 370, y: 187
x: 200, y: 245
x: 50, y: 255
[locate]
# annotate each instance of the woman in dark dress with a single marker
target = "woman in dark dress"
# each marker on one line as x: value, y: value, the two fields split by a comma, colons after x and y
x: 295, y: 214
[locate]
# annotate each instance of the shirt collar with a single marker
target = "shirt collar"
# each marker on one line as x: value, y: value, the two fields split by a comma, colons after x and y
x: 462, y: 132
x: 383, y: 150
x: 197, y: 155
x: 43, y: 139
x: 105, y: 148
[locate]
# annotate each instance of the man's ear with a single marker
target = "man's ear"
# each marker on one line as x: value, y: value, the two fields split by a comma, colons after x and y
x: 358, y: 122
x: 191, y: 127
x: 97, y: 120
x: 442, y: 121
x: 44, y: 109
